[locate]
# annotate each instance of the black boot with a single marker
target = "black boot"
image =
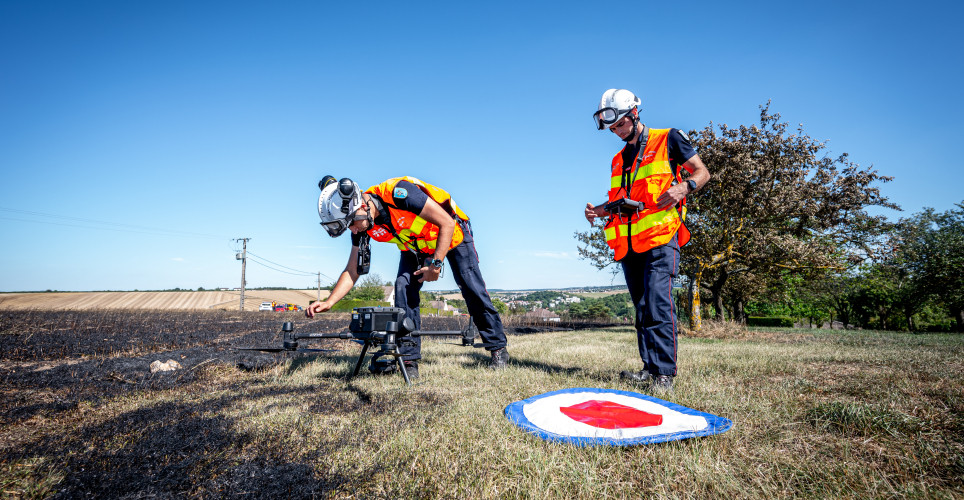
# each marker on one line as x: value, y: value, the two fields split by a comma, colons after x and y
x: 640, y: 377
x: 382, y: 366
x: 500, y: 358
x: 663, y: 384
x: 411, y: 368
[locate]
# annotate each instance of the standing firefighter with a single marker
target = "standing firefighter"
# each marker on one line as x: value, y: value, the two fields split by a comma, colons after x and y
x: 427, y: 226
x: 646, y: 208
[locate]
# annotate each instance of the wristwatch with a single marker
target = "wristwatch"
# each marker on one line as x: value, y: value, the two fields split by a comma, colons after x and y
x: 437, y: 263
x: 692, y: 185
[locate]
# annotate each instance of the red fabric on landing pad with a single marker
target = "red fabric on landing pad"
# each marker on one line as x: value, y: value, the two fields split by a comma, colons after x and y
x: 610, y: 415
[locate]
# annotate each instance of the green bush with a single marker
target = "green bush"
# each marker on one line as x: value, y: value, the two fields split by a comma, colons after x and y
x: 778, y: 321
x: 348, y: 305
x: 947, y: 326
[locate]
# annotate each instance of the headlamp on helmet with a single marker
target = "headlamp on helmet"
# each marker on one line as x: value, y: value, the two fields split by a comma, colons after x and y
x: 337, y: 204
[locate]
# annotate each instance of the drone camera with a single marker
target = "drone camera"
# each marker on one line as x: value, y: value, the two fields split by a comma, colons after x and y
x: 377, y: 319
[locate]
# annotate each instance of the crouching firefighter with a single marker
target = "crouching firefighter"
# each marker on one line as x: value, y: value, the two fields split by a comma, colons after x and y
x: 428, y: 227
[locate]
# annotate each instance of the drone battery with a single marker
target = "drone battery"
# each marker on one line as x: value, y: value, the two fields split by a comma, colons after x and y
x: 375, y: 319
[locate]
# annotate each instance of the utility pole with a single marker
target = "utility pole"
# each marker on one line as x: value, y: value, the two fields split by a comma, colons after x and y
x: 243, y: 257
x: 319, y: 285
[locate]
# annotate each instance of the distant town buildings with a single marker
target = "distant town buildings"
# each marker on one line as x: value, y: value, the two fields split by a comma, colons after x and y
x: 543, y: 315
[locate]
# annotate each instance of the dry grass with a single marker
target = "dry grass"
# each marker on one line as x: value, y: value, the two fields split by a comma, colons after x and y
x: 825, y: 414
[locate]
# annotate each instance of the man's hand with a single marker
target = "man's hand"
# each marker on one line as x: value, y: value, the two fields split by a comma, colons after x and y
x: 672, y: 196
x: 428, y: 273
x: 317, y: 308
x: 593, y: 212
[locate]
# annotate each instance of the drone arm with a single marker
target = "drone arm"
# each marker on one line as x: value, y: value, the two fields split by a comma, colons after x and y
x: 343, y: 335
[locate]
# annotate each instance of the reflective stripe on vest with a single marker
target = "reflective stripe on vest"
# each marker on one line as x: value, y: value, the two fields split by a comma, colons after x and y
x: 648, y: 228
x: 414, y: 232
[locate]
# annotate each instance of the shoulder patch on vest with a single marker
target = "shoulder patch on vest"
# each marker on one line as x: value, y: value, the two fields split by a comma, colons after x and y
x: 683, y: 134
x: 400, y: 193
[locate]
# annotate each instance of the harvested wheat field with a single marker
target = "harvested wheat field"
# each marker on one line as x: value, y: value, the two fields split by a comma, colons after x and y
x: 228, y: 300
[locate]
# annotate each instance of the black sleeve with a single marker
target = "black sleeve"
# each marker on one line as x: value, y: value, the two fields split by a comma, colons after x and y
x: 409, y: 197
x: 679, y: 148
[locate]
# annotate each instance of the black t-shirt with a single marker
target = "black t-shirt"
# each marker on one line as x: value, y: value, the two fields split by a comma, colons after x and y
x: 678, y: 149
x: 406, y: 196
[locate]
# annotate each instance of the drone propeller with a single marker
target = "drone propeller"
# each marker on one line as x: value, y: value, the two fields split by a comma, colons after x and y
x: 282, y: 349
x: 476, y: 345
x: 263, y: 349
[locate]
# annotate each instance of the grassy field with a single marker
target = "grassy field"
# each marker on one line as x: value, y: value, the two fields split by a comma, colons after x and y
x: 815, y: 414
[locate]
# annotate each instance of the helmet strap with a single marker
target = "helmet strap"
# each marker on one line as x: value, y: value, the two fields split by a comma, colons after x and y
x: 635, y: 133
x: 368, y: 209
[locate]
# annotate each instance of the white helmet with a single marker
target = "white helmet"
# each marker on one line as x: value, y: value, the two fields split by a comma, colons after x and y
x: 615, y: 104
x: 337, y: 204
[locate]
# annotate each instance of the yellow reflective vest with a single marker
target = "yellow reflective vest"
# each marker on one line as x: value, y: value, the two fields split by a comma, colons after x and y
x: 644, y: 180
x: 409, y: 231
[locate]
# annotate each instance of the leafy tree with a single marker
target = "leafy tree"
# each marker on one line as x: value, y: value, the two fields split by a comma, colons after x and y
x: 593, y: 309
x: 930, y: 248
x: 944, y: 265
x: 500, y: 306
x: 369, y: 288
x: 776, y: 203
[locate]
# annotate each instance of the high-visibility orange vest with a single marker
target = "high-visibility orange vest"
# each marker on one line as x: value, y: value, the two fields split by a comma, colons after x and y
x: 648, y: 177
x: 409, y: 231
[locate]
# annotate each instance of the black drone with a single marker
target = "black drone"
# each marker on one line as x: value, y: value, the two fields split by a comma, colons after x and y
x: 384, y: 327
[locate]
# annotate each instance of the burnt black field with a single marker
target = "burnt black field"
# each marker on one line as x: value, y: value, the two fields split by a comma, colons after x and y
x: 58, y: 366
x: 90, y: 354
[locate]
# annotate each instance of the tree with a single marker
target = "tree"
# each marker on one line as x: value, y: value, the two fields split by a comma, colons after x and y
x: 458, y: 304
x: 369, y: 288
x: 930, y: 248
x: 776, y: 203
x: 943, y: 266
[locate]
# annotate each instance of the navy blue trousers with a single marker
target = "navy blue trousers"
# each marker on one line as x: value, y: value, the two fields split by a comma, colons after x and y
x: 649, y: 277
x: 463, y: 263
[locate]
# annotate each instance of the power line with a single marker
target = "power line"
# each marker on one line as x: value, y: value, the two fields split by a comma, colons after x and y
x: 304, y: 273
x: 279, y: 265
x: 254, y: 260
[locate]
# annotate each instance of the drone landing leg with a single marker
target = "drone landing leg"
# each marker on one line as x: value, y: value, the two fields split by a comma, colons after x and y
x: 361, y: 358
x: 401, y: 365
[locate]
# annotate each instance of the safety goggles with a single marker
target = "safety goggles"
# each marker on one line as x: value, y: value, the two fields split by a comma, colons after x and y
x: 335, y: 227
x: 608, y: 116
x: 338, y: 226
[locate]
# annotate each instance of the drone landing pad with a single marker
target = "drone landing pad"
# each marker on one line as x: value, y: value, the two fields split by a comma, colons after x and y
x: 590, y: 417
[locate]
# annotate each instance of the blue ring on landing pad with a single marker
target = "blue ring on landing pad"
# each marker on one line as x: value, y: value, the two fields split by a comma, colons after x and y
x: 515, y: 412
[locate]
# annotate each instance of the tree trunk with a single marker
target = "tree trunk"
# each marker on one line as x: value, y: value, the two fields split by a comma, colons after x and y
x: 718, y: 305
x: 739, y: 313
x: 717, y: 289
x: 696, y: 316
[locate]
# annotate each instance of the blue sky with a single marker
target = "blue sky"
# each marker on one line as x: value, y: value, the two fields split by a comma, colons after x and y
x: 137, y: 139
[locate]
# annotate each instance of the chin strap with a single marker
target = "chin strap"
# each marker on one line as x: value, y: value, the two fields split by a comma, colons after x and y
x: 635, y: 131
